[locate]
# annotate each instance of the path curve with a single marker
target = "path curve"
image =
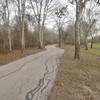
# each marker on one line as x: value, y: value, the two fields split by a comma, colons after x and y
x: 30, y: 78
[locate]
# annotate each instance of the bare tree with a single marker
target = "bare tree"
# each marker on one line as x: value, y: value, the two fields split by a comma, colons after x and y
x: 80, y: 5
x: 41, y: 9
x: 6, y: 19
x: 93, y: 34
x: 97, y: 1
x: 21, y: 7
x: 91, y: 20
x: 23, y: 24
x: 60, y: 21
x: 87, y: 33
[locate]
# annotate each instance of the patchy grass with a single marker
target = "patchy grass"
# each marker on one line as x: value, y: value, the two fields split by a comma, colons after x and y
x: 95, y: 50
x: 77, y: 79
x: 97, y: 45
x: 16, y: 54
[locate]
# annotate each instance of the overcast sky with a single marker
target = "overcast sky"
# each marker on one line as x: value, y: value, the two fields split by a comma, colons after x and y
x: 71, y: 14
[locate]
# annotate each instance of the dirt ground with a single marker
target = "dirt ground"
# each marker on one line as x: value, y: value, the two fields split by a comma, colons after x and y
x: 77, y: 80
x: 16, y: 54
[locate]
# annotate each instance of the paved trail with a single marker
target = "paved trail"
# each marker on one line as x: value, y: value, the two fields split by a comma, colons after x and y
x: 30, y: 78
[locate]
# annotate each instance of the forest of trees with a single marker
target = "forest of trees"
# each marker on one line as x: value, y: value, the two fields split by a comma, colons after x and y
x: 86, y: 22
x: 23, y: 24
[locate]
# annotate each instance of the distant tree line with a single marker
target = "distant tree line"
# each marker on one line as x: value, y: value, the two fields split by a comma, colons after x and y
x: 22, y: 24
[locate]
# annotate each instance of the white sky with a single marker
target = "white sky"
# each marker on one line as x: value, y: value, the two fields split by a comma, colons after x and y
x: 71, y: 9
x: 71, y: 15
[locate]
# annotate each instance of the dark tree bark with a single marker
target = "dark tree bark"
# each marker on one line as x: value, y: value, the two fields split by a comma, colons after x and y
x: 86, y: 43
x: 77, y: 36
x: 92, y: 42
x: 60, y: 39
x: 80, y: 4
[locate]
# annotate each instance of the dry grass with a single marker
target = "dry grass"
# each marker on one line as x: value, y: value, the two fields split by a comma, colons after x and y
x: 77, y: 80
x: 16, y: 54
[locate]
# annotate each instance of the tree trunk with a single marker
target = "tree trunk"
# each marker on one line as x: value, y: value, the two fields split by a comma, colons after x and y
x: 23, y: 39
x: 77, y: 46
x: 9, y: 39
x: 42, y: 30
x: 42, y: 38
x: 40, y: 43
x: 7, y: 23
x: 92, y: 41
x: 23, y: 25
x: 59, y: 38
x: 77, y: 36
x: 23, y: 35
x: 86, y: 43
x: 40, y: 33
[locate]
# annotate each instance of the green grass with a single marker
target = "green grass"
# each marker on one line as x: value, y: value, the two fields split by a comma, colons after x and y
x: 97, y: 45
x: 95, y: 50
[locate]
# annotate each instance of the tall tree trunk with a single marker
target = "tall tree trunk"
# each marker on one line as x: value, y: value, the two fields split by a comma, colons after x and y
x: 42, y: 30
x: 23, y: 37
x: 9, y: 39
x: 59, y: 37
x: 23, y: 25
x: 7, y: 18
x: 40, y: 40
x: 40, y: 43
x: 87, y: 33
x: 86, y: 43
x: 77, y: 36
x: 92, y: 41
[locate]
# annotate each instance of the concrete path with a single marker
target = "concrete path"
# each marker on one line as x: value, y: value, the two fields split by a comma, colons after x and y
x: 30, y: 78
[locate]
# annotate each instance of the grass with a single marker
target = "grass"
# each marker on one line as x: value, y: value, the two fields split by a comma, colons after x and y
x: 77, y: 79
x: 95, y: 50
x: 17, y: 54
x: 97, y: 45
